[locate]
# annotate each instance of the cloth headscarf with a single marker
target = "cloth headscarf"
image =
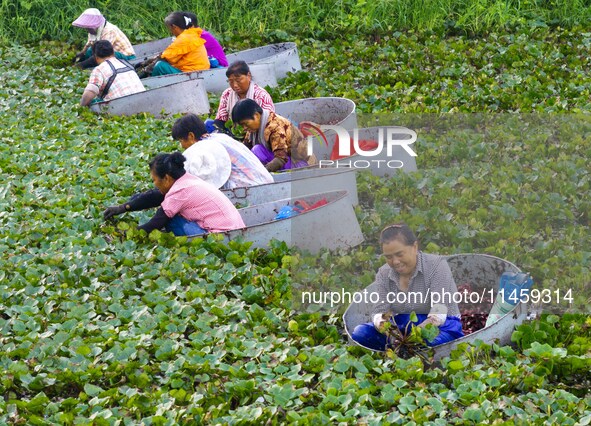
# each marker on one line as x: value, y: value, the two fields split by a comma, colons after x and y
x: 209, y: 160
x: 90, y: 18
x: 259, y: 136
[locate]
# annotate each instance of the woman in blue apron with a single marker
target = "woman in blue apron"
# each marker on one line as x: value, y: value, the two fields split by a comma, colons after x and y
x: 406, y: 284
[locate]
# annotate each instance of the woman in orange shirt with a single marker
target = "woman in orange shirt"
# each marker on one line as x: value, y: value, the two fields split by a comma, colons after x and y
x: 187, y: 52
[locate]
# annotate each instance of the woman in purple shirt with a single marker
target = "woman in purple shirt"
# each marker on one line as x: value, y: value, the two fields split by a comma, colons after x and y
x: 213, y: 47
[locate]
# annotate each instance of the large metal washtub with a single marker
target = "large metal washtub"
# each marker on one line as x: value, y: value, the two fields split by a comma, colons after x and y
x: 297, y: 183
x: 482, y: 272
x: 149, y: 49
x: 283, y: 56
x: 381, y: 164
x: 215, y: 79
x: 312, y: 231
x: 182, y: 97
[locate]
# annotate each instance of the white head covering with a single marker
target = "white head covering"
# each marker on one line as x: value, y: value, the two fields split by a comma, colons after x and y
x: 209, y: 160
x: 90, y: 18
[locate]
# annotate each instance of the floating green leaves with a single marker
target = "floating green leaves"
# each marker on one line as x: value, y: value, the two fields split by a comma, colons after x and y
x: 100, y: 324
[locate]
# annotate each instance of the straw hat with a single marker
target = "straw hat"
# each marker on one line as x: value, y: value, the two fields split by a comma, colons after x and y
x: 210, y: 161
x: 90, y: 18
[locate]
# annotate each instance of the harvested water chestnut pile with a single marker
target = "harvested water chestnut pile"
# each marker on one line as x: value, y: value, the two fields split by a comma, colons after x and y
x: 473, y: 315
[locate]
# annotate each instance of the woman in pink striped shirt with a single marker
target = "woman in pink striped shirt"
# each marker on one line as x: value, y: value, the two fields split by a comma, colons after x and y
x: 191, y: 205
x: 241, y: 87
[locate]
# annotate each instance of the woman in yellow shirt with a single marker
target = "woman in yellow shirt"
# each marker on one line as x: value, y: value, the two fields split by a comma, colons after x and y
x: 187, y: 52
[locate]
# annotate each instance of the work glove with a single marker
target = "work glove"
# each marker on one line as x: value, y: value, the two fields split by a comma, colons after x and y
x: 219, y: 125
x: 114, y: 211
x: 275, y: 164
x: 87, y: 63
x: 378, y: 321
x: 79, y: 57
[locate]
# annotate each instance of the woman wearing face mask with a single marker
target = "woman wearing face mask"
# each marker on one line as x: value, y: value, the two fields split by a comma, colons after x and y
x: 405, y: 283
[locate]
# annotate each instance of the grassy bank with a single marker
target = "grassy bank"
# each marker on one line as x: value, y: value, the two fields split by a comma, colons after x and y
x: 32, y: 20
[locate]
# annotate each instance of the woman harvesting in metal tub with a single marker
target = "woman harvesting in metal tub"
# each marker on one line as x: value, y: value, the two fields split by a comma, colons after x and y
x: 404, y: 284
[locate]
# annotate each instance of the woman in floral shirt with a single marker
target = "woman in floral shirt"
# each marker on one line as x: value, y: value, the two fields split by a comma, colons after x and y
x: 272, y: 138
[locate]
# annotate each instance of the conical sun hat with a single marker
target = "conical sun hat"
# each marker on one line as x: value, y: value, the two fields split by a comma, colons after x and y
x: 210, y: 161
x: 90, y: 18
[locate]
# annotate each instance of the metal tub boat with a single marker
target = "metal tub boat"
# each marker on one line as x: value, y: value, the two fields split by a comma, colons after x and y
x: 182, y: 97
x: 297, y: 183
x: 482, y: 272
x: 341, y: 112
x: 283, y: 56
x: 215, y: 79
x: 152, y: 48
x: 325, y: 111
x: 311, y: 230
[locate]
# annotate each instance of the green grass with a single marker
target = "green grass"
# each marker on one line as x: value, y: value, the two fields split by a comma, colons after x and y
x: 32, y: 20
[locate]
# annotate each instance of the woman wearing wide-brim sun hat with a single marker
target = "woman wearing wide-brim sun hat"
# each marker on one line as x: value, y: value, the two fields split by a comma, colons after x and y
x: 98, y: 28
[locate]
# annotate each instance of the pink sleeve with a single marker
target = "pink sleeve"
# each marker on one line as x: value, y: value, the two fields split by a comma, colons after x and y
x: 223, y: 113
x: 171, y: 206
x: 263, y: 98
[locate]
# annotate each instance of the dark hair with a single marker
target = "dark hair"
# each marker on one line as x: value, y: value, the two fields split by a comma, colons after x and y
x: 193, y: 18
x: 186, y: 124
x: 178, y: 19
x: 103, y: 49
x: 168, y: 164
x: 400, y: 232
x: 245, y: 109
x: 237, y: 68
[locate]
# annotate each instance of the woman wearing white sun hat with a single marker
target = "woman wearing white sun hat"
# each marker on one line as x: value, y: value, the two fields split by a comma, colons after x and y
x: 98, y: 28
x: 246, y: 168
